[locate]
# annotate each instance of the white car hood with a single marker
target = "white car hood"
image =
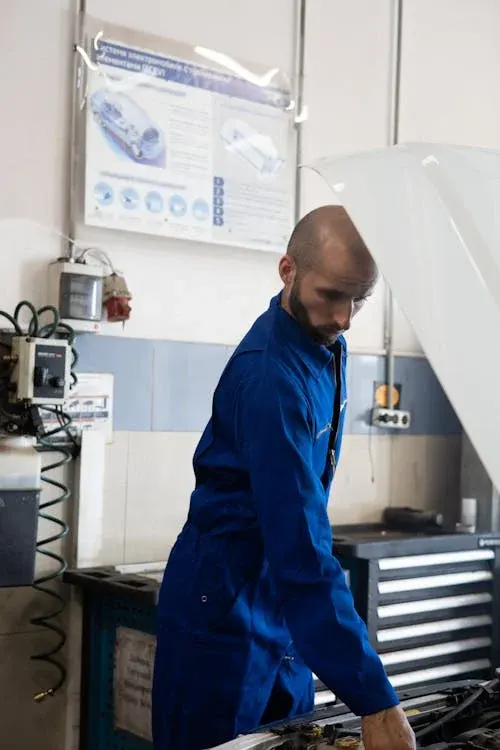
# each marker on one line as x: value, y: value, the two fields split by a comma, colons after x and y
x: 430, y: 215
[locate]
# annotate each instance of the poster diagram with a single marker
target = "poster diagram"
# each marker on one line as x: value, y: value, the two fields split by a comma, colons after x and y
x: 129, y: 127
x: 257, y: 148
x: 182, y: 150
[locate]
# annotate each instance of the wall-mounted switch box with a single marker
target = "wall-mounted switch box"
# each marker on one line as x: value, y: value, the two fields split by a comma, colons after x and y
x: 394, y: 419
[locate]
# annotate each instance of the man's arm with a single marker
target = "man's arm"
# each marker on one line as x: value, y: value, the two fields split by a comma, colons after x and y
x: 276, y: 435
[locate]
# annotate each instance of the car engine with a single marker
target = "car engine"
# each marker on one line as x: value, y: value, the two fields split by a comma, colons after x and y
x: 456, y: 716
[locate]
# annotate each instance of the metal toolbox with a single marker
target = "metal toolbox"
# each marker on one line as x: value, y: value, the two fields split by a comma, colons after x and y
x: 431, y: 601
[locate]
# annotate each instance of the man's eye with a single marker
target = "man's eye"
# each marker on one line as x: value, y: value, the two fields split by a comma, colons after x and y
x: 331, y: 296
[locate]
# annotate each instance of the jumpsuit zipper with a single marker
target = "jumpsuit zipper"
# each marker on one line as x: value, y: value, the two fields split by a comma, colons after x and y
x: 337, y: 383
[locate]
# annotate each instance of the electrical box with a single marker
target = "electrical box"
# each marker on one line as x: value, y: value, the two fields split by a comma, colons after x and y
x: 76, y: 290
x: 41, y: 372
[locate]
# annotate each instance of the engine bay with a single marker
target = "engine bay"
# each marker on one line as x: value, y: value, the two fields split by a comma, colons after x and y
x: 462, y: 716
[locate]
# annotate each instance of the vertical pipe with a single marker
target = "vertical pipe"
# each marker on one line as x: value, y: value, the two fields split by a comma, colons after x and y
x: 392, y: 138
x: 76, y: 86
x: 298, y: 95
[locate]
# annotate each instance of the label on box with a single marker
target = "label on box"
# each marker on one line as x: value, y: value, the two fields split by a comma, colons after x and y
x: 491, y: 541
x: 133, y: 680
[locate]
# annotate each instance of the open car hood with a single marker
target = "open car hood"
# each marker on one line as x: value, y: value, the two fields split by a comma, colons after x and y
x: 430, y: 215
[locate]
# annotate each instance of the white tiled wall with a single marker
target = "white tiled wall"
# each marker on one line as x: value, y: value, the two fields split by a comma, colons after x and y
x: 159, y: 483
x: 149, y: 480
x: 425, y: 473
x: 149, y: 494
x: 362, y: 482
x: 115, y: 495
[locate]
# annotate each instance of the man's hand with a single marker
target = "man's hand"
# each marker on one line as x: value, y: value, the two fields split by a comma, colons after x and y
x: 388, y: 730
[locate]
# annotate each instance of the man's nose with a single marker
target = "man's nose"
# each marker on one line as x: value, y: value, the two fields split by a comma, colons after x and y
x: 343, y: 315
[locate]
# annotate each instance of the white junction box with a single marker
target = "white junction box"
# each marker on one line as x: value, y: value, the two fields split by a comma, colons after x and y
x: 76, y: 291
x: 395, y: 419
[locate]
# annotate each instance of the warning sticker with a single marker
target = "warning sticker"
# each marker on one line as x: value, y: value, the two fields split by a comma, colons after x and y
x: 133, y: 680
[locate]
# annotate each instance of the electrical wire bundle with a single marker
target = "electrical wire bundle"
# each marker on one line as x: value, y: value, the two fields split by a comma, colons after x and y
x: 455, y: 711
x: 28, y: 420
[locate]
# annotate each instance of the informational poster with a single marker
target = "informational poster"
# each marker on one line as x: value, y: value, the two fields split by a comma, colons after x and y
x: 90, y: 406
x: 183, y: 150
x: 133, y: 681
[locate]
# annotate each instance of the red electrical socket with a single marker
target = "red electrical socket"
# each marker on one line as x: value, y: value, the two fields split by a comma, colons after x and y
x: 116, y: 298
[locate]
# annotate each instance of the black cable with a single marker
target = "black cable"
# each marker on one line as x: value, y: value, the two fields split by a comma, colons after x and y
x: 64, y: 421
x: 71, y: 339
x: 33, y: 326
x: 49, y: 330
x: 453, y: 712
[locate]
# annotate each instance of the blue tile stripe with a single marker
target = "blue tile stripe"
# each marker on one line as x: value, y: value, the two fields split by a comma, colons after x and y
x: 167, y: 386
x: 421, y: 394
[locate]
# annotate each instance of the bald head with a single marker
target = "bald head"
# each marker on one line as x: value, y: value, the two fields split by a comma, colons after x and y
x: 326, y: 228
x: 327, y: 272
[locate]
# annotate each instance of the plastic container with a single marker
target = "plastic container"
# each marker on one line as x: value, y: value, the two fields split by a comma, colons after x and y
x: 468, y: 514
x: 20, y: 464
x: 20, y: 469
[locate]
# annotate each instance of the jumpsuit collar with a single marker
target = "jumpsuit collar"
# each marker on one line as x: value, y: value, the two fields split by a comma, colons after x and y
x: 315, y: 356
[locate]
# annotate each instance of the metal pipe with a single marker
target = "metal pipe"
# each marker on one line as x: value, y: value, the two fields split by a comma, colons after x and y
x: 393, y: 138
x: 77, y: 83
x: 299, y: 58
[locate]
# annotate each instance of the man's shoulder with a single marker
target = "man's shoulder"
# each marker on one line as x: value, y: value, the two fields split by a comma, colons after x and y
x: 263, y: 373
x: 262, y: 357
x: 258, y: 336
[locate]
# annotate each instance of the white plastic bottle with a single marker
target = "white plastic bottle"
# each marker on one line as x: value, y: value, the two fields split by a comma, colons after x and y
x: 20, y: 464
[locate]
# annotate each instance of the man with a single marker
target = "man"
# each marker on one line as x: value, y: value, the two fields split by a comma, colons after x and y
x: 252, y: 598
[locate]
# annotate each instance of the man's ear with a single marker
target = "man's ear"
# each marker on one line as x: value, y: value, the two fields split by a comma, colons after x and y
x: 287, y: 270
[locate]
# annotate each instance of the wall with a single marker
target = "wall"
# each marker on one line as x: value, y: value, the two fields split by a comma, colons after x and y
x: 192, y: 303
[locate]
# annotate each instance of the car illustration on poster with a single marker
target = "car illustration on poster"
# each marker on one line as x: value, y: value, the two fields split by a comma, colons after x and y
x: 120, y: 118
x: 256, y: 148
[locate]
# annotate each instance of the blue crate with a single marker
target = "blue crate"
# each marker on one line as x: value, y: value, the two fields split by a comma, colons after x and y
x: 112, y: 600
x: 102, y: 616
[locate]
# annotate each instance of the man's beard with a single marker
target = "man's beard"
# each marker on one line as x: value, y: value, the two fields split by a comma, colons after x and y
x: 301, y: 315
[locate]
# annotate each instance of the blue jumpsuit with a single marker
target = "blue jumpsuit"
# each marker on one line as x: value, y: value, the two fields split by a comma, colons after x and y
x: 252, y: 599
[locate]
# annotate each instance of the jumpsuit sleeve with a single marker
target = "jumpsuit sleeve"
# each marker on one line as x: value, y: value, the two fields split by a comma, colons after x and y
x: 276, y: 436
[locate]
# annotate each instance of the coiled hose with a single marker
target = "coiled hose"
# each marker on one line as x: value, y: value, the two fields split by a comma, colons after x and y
x: 49, y: 619
x: 44, y: 584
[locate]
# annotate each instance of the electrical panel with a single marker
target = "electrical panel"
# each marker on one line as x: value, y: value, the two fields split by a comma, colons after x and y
x: 76, y: 289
